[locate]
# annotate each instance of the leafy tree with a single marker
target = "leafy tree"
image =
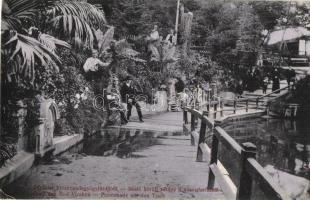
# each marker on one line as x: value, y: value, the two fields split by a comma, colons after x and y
x: 269, y: 12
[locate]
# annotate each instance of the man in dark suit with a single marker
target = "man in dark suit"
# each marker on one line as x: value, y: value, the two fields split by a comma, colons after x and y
x: 129, y: 93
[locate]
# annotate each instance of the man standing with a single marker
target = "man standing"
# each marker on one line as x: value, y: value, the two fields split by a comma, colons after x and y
x: 153, y: 41
x: 128, y: 93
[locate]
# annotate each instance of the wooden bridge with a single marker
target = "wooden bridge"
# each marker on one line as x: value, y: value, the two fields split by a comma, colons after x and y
x: 185, y: 149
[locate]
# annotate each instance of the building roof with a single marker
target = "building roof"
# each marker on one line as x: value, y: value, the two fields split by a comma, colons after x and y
x: 287, y: 35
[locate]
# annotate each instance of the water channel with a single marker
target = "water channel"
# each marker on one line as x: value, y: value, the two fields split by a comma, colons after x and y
x: 283, y: 149
x: 285, y: 144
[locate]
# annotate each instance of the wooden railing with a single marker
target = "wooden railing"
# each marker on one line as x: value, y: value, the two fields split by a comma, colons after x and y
x: 251, y: 170
x: 238, y: 104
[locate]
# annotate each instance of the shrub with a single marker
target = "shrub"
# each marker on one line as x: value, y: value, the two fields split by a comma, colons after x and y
x: 7, y: 151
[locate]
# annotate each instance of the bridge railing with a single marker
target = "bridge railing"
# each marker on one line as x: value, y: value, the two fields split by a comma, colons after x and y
x: 250, y: 170
x: 238, y: 104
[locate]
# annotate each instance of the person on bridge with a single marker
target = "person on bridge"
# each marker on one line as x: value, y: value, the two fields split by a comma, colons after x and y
x: 129, y: 92
x: 265, y: 85
x: 276, y: 80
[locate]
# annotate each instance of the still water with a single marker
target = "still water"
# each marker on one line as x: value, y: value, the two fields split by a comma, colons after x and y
x: 284, y: 144
x: 119, y: 142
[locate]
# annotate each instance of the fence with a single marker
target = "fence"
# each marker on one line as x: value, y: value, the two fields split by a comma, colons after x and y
x: 251, y: 170
x: 238, y: 104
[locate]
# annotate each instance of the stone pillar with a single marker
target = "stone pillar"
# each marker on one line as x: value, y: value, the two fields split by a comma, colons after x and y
x: 44, y: 132
x: 19, y: 115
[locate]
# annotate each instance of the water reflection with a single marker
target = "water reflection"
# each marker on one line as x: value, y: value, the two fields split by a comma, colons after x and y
x: 284, y: 144
x: 120, y: 142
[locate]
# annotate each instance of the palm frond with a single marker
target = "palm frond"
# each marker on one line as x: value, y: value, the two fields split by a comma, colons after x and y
x: 28, y: 51
x: 18, y: 10
x: 125, y: 50
x: 77, y: 19
x: 73, y: 25
x: 129, y: 52
x: 85, y: 11
x: 104, y: 40
x: 121, y: 44
x: 50, y: 42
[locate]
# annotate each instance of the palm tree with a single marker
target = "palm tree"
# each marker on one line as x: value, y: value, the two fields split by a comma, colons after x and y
x: 74, y: 21
x: 22, y: 50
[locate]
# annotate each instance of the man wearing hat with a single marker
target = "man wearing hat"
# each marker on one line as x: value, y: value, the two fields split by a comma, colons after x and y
x: 128, y: 93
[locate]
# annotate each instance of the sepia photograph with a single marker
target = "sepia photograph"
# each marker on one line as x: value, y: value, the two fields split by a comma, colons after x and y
x: 155, y: 99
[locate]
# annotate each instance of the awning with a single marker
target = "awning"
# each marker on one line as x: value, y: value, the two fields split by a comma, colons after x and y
x: 287, y: 34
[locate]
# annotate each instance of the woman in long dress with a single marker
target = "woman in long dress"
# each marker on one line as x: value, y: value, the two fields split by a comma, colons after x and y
x: 276, y: 80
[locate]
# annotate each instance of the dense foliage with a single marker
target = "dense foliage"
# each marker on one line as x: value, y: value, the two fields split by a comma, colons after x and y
x: 44, y: 46
x: 7, y: 151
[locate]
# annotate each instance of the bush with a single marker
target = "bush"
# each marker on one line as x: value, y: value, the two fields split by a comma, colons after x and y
x: 7, y: 151
x: 82, y: 120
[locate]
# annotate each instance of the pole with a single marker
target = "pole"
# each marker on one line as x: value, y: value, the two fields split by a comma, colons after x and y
x: 177, y: 19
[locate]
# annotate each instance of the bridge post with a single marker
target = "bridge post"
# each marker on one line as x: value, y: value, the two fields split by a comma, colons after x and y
x: 213, y: 160
x: 235, y: 105
x: 245, y: 185
x: 267, y: 109
x: 192, y: 129
x: 185, y: 118
x: 215, y: 110
x: 221, y: 108
x: 257, y: 99
x: 247, y: 105
x: 202, y: 134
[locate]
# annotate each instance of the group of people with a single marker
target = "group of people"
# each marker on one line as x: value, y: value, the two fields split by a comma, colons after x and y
x: 154, y: 40
x: 260, y: 78
x: 128, y: 94
x: 196, y: 93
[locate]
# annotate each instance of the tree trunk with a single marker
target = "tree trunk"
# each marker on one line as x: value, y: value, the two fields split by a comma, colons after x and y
x: 187, y: 26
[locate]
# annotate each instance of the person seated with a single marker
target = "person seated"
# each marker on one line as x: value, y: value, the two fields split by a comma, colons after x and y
x: 171, y: 38
x: 154, y: 35
x: 114, y: 104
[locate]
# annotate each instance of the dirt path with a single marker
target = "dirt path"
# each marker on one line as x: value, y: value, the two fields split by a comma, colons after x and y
x: 166, y: 169
x: 164, y: 122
